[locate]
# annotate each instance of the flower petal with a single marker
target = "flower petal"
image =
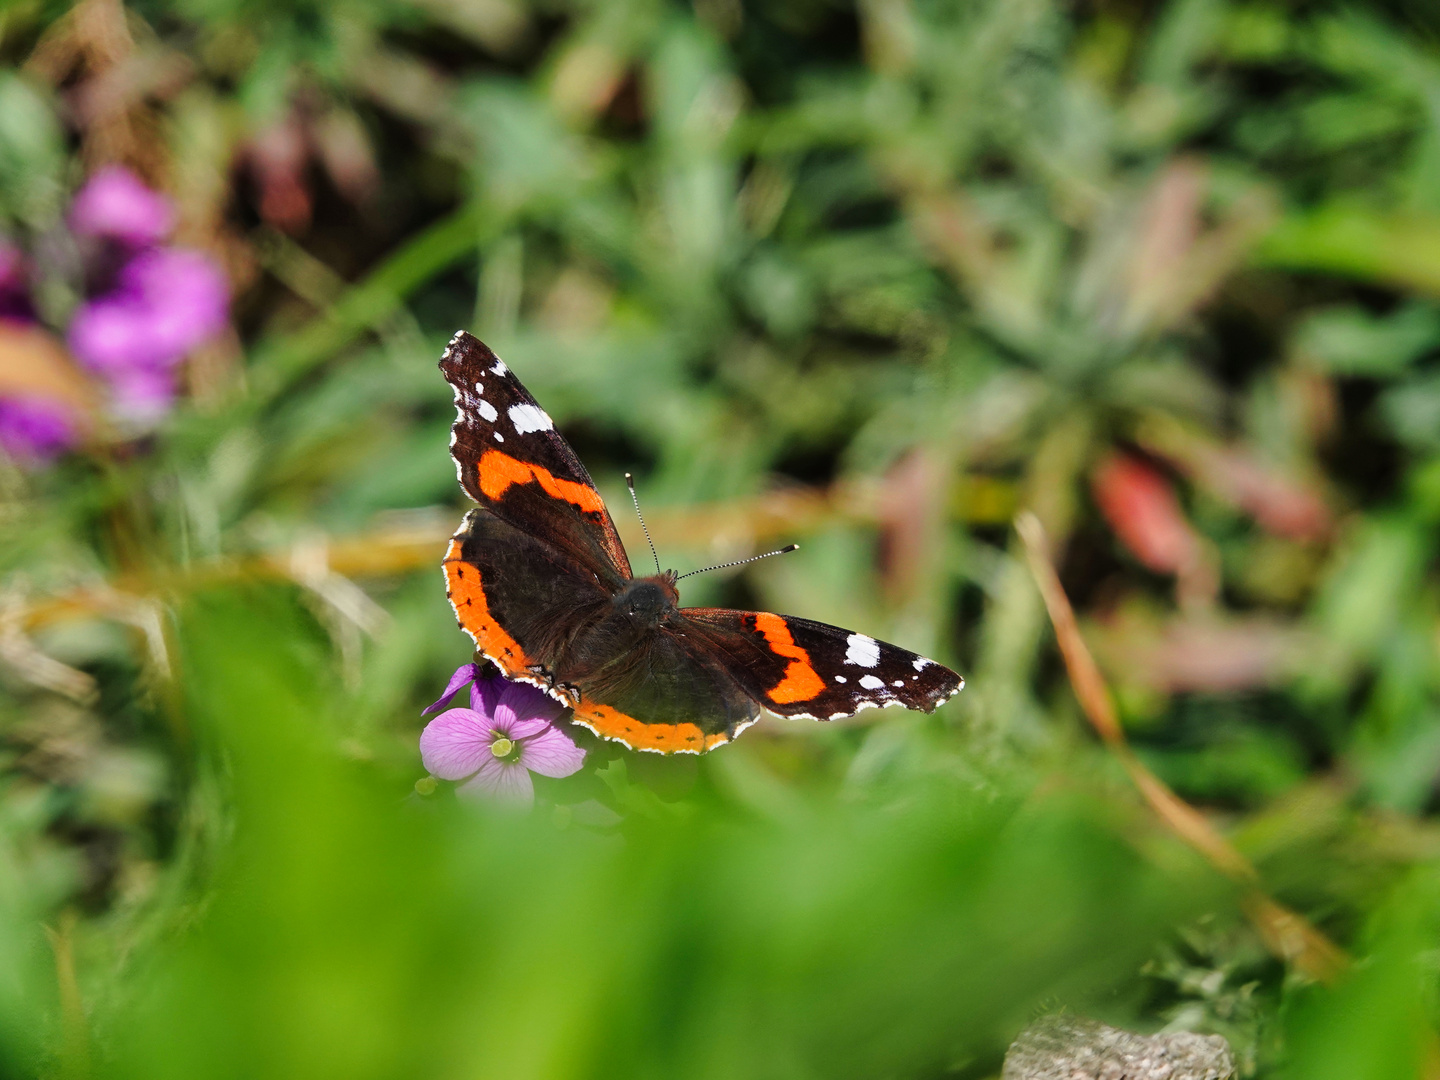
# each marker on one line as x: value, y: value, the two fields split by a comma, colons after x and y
x: 140, y: 396
x: 504, y: 781
x: 115, y: 203
x: 485, y: 693
x: 456, y: 744
x: 518, y: 728
x: 112, y: 334
x: 551, y: 753
x: 35, y: 428
x: 463, y: 674
x: 521, y: 701
x: 187, y: 297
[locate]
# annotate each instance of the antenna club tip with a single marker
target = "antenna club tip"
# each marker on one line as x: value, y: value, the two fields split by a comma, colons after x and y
x: 793, y: 547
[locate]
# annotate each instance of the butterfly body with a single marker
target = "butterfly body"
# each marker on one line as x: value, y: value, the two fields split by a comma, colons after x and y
x: 539, y: 579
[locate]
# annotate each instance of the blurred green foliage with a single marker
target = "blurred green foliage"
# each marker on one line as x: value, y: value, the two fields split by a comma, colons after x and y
x: 872, y: 276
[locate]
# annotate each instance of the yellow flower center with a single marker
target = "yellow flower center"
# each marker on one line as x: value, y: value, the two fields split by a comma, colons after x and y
x: 501, y: 747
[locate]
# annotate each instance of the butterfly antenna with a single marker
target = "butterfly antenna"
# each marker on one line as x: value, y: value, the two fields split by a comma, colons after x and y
x: 741, y: 562
x: 630, y: 483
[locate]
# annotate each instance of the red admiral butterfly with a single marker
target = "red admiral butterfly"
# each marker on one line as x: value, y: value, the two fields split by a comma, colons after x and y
x: 539, y: 579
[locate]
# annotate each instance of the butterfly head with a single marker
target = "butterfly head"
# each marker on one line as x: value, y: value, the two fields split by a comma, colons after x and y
x: 649, y: 600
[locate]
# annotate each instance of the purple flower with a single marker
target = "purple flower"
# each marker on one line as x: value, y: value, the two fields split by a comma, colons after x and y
x: 35, y: 429
x: 464, y: 674
x: 186, y: 293
x: 168, y: 301
x: 111, y: 335
x: 116, y: 205
x: 14, y: 296
x: 507, y: 733
x: 140, y: 396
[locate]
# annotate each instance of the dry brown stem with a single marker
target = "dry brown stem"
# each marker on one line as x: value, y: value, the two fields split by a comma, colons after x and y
x: 1287, y: 934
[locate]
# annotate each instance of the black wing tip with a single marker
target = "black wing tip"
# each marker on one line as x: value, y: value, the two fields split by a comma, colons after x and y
x: 952, y: 682
x: 945, y: 695
x: 461, y: 345
x: 457, y: 340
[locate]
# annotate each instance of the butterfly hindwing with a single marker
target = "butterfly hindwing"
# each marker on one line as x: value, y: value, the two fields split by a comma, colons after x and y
x: 512, y: 461
x: 799, y: 668
x: 516, y: 596
x: 668, y: 694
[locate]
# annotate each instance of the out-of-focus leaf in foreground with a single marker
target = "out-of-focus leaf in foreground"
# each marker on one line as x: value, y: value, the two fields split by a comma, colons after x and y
x: 352, y: 935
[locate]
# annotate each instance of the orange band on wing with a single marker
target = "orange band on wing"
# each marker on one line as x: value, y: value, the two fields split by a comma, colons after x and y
x: 472, y: 609
x: 666, y: 738
x: 498, y: 471
x: 801, y: 683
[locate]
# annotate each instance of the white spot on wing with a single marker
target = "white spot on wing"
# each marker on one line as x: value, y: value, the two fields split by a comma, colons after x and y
x: 528, y: 418
x: 486, y: 410
x: 870, y: 682
x: 898, y: 683
x: 459, y: 419
x: 920, y: 663
x: 862, y: 651
x: 498, y: 436
x: 840, y: 678
x: 499, y: 368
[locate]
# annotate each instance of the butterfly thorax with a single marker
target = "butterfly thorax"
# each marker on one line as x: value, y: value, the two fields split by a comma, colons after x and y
x: 649, y: 600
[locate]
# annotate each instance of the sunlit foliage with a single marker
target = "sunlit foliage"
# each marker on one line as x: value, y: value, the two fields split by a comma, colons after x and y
x: 872, y: 277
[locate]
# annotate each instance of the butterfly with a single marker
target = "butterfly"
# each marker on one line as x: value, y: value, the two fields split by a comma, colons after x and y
x: 540, y: 581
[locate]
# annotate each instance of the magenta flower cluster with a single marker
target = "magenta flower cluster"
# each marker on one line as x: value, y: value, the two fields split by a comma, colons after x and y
x: 151, y: 304
x: 508, y: 732
x: 164, y: 301
x: 35, y: 428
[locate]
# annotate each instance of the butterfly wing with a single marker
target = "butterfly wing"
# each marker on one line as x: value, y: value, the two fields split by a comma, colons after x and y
x: 666, y: 695
x: 799, y: 668
x: 512, y: 461
x: 706, y: 673
x: 519, y: 598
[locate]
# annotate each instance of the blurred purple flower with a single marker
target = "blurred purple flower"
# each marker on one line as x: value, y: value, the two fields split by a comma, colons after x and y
x: 14, y: 295
x: 167, y: 301
x: 187, y: 295
x: 111, y: 335
x: 35, y: 428
x: 115, y: 204
x: 142, y: 397
x: 507, y: 733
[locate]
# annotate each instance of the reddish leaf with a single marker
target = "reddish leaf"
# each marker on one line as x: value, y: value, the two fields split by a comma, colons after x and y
x: 1141, y: 507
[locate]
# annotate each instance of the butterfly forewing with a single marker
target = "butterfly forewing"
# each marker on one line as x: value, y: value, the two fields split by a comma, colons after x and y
x: 512, y: 461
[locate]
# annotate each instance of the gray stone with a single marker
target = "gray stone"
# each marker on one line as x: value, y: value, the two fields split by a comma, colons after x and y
x: 1072, y: 1048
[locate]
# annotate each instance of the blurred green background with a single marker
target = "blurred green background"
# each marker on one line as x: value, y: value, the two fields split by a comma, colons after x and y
x: 874, y: 277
